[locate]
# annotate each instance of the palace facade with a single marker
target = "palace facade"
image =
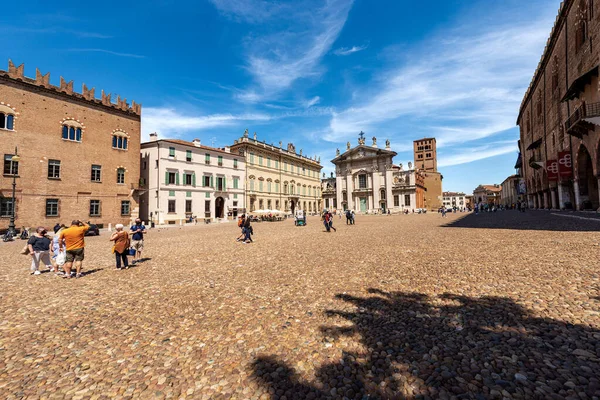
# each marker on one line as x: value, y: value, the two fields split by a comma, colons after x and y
x: 186, y: 179
x: 78, y: 156
x: 367, y: 181
x: 559, y: 117
x: 279, y: 178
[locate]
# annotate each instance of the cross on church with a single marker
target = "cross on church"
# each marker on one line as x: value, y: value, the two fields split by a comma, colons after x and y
x: 362, y: 135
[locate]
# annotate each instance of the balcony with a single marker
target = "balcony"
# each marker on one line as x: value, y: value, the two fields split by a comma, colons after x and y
x: 583, y: 120
x: 535, y: 163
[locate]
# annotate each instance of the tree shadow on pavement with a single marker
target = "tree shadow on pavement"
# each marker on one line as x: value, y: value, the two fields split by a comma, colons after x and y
x: 530, y: 220
x: 443, y: 347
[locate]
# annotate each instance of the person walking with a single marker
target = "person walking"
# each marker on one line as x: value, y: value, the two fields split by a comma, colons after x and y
x: 331, y: 222
x: 39, y: 248
x: 137, y: 239
x: 73, y: 240
x: 443, y: 212
x: 247, y: 230
x: 326, y: 220
x: 353, y: 219
x: 348, y: 217
x: 121, y: 247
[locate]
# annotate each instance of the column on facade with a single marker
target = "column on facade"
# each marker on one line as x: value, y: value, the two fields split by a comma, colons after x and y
x: 389, y: 197
x: 349, y: 190
x: 553, y: 198
x: 560, y: 196
x: 338, y: 192
x: 376, y: 198
x: 546, y: 199
x: 577, y: 194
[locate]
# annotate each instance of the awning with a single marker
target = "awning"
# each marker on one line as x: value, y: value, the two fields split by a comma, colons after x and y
x: 519, y: 162
x: 535, y: 144
x: 578, y: 84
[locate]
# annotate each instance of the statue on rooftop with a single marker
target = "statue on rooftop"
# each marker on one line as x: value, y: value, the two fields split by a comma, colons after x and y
x: 246, y: 133
x: 337, y: 152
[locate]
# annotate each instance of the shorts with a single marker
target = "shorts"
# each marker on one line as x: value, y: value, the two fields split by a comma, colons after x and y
x: 137, y: 244
x: 75, y: 255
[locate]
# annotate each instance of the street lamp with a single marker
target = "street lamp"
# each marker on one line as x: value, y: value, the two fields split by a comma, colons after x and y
x: 11, y: 225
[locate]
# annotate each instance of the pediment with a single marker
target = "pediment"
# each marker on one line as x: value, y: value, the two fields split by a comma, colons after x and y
x: 361, y: 152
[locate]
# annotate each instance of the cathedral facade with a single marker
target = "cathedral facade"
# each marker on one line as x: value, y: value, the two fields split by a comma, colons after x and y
x: 367, y: 181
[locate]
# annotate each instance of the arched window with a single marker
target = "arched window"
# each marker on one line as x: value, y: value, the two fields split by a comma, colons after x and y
x: 7, y: 117
x: 72, y: 130
x: 120, y: 139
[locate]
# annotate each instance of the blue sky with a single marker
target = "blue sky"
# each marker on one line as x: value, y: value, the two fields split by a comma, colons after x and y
x: 314, y: 73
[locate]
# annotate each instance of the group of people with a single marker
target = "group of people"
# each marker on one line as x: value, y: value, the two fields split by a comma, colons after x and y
x: 350, y: 217
x: 245, y: 223
x: 327, y: 218
x: 66, y: 247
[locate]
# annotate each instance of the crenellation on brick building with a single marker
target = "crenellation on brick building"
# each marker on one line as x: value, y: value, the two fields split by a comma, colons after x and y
x: 79, y: 156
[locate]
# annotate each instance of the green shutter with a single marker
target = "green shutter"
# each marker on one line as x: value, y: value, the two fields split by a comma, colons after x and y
x: 166, y: 178
x: 177, y: 178
x: 212, y: 184
x: 224, y: 184
x: 194, y: 179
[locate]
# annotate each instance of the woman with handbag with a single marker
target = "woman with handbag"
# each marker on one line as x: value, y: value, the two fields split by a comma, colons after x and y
x: 121, y: 247
x: 39, y: 248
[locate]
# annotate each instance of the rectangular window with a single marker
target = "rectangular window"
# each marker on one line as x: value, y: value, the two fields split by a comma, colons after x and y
x: 121, y: 175
x: 207, y: 158
x: 407, y: 199
x: 96, y: 173
x: 187, y: 179
x: 276, y: 164
x: 220, y: 184
x: 188, y: 155
x: 396, y: 201
x: 188, y: 206
x: 285, y: 165
x: 235, y: 195
x: 10, y: 167
x: 220, y: 161
x: 171, y: 178
x: 53, y: 169
x: 207, y: 195
x: 171, y: 193
x: 276, y: 187
x: 206, y: 181
x: 172, y: 152
x: 188, y: 194
x: 260, y: 186
x: 269, y: 162
x: 6, y: 207
x: 260, y: 160
x: 235, y: 203
x: 235, y: 163
x: 269, y: 189
x: 207, y: 206
x: 125, y: 207
x: 236, y: 183
x: 251, y: 158
x: 362, y: 181
x: 144, y: 165
x: 51, y: 207
x: 251, y: 184
x: 171, y: 206
x: 94, y: 208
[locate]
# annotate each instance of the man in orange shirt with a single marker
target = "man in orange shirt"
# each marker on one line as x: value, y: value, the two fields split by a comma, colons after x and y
x: 72, y: 239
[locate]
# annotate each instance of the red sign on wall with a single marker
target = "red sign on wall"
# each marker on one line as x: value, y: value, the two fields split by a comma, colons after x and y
x: 552, y: 170
x: 564, y: 164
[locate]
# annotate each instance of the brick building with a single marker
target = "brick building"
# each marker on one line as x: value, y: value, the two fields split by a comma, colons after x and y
x: 79, y: 156
x: 560, y: 114
x: 425, y: 153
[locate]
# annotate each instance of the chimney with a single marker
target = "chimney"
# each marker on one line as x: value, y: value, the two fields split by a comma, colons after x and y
x: 196, y: 142
x: 153, y: 137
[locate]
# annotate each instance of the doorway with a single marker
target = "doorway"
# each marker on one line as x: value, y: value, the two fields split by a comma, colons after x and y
x: 363, y: 204
x: 588, y: 183
x: 219, y: 207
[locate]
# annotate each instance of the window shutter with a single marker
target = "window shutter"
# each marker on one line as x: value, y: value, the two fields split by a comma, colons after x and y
x: 166, y: 177
x: 177, y: 178
x: 194, y: 179
x: 212, y: 184
x: 224, y: 184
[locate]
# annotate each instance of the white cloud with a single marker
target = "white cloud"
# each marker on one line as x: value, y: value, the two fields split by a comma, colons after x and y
x: 278, y: 59
x: 315, y: 100
x: 113, y: 53
x: 458, y: 87
x: 473, y: 153
x: 345, y: 51
x: 168, y: 122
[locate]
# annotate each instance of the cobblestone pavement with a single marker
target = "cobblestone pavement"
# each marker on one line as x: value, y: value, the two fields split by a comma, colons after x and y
x: 498, y: 305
